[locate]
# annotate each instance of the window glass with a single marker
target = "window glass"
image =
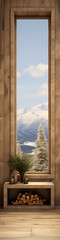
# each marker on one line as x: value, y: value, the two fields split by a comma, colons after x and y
x: 32, y: 91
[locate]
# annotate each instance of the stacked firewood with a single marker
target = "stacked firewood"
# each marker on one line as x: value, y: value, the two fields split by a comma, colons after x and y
x: 28, y: 199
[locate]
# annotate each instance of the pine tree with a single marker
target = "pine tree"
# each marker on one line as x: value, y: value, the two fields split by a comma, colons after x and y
x: 41, y: 151
x: 19, y: 153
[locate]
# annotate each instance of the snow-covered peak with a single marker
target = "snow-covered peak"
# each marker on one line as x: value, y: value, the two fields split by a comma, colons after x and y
x: 30, y: 115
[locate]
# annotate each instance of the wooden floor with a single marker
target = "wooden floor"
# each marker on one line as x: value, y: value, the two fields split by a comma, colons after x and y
x: 40, y: 224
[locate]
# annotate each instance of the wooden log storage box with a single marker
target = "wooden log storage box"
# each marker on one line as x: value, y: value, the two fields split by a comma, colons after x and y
x: 26, y: 187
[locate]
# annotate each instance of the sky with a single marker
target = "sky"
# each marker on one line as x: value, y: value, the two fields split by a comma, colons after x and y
x: 32, y: 63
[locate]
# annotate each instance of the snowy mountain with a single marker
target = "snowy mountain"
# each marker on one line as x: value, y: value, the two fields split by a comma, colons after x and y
x: 28, y: 121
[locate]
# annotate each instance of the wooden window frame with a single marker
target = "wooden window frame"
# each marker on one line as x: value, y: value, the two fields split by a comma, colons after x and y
x: 42, y: 13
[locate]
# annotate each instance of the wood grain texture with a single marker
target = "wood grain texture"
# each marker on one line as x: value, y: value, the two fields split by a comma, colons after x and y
x: 57, y: 191
x: 2, y: 172
x: 52, y: 3
x: 24, y: 6
x: 30, y: 185
x: 57, y: 99
x: 2, y: 106
x: 7, y: 8
x: 7, y: 22
x: 58, y: 141
x: 30, y: 225
x: 1, y: 82
x: 16, y: 3
x: 7, y: 108
x: 32, y: 3
x: 1, y: 128
x: 1, y: 151
x: 1, y: 98
x: 32, y: 12
x: 58, y: 77
x: 57, y: 21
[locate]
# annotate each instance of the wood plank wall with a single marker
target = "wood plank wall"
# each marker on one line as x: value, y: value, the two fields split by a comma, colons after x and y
x: 57, y: 97
x: 5, y: 8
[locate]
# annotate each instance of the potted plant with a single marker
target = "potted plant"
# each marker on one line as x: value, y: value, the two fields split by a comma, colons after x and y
x: 21, y: 163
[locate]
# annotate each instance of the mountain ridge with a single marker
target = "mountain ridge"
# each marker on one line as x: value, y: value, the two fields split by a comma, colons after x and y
x: 28, y: 121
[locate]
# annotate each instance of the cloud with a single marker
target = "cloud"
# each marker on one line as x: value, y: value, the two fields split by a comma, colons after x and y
x: 39, y: 70
x: 18, y: 74
x: 36, y: 71
x: 41, y: 92
x: 35, y: 114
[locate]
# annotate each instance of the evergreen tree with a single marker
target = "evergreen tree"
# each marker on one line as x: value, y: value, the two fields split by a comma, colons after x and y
x: 41, y: 151
x: 18, y: 149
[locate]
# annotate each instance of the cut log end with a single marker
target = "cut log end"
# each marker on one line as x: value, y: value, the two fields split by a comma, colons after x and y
x: 28, y: 199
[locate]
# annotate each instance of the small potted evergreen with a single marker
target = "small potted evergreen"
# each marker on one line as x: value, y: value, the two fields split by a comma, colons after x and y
x: 21, y: 163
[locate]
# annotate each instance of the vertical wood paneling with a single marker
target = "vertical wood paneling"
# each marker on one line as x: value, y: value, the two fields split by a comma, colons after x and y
x: 0, y: 34
x: 57, y: 12
x: 32, y: 3
x: 7, y: 107
x: 28, y: 4
x: 16, y: 3
x: 51, y: 3
x: 5, y: 80
x: 41, y: 3
x: 2, y: 82
x: 1, y: 101
x: 1, y: 151
x: 57, y: 64
x: 6, y: 87
x: 7, y: 6
x: 58, y: 77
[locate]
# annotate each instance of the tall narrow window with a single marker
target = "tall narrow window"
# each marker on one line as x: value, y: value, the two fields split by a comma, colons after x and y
x: 32, y: 91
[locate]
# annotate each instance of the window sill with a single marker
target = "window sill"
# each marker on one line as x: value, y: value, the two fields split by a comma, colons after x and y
x: 40, y: 176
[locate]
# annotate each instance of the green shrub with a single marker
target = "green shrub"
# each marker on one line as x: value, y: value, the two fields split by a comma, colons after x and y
x: 21, y: 163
